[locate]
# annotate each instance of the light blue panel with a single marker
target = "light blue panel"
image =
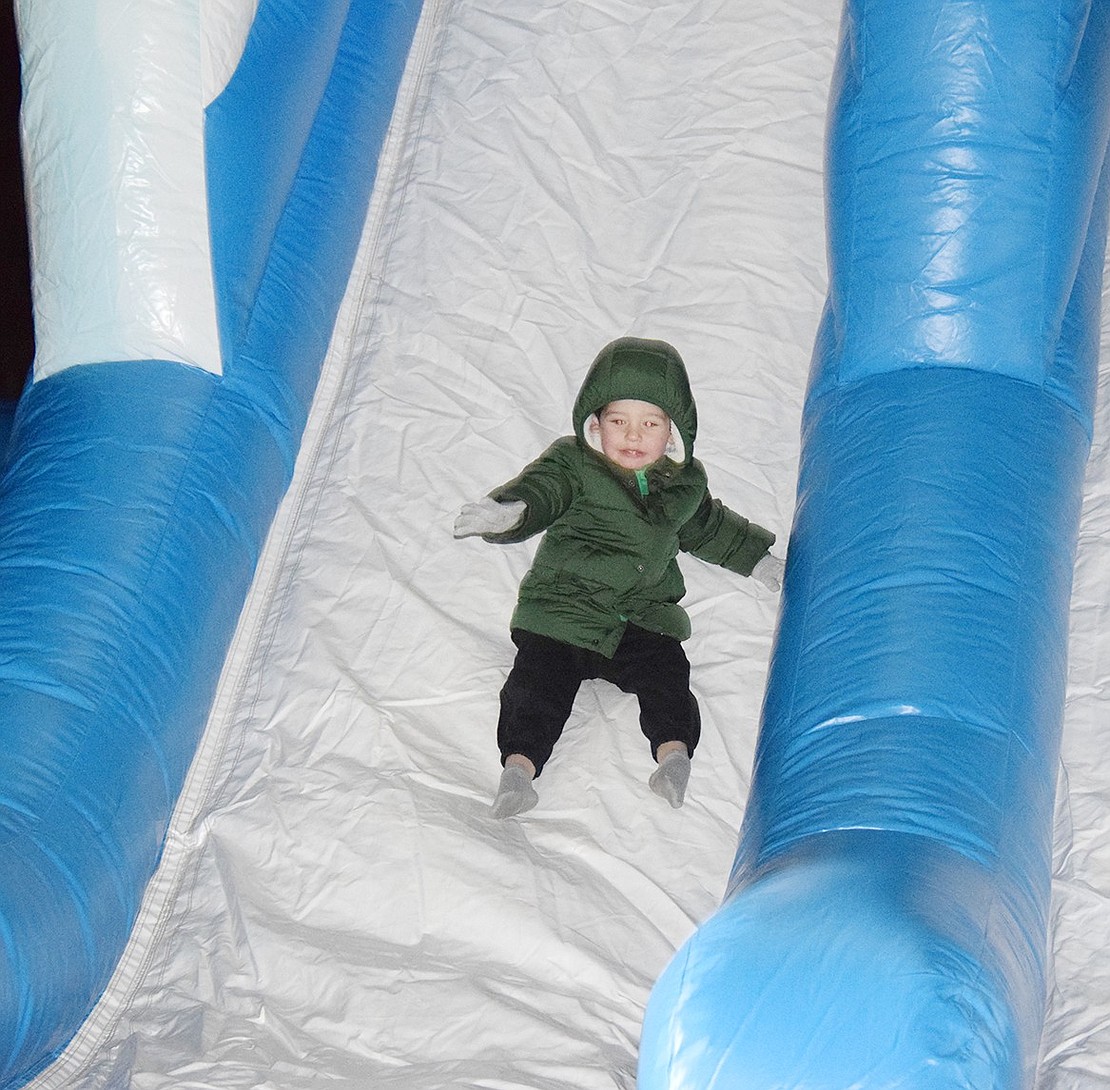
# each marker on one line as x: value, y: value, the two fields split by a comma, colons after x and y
x: 105, y: 652
x: 922, y: 648
x: 885, y: 923
x: 853, y: 961
x: 283, y: 244
x: 962, y: 161
x: 134, y: 504
x: 274, y: 96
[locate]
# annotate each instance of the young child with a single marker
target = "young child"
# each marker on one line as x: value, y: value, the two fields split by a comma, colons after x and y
x: 618, y: 500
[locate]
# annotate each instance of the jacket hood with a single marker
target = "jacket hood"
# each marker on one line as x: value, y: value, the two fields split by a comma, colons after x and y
x: 631, y: 368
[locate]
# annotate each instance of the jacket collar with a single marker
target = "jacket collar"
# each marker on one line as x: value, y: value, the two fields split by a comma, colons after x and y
x: 658, y: 475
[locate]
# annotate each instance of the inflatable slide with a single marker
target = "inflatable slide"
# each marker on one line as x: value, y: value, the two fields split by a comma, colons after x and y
x: 308, y: 276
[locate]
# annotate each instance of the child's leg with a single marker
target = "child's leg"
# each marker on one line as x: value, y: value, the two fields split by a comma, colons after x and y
x: 537, y: 697
x: 656, y: 670
x: 536, y: 702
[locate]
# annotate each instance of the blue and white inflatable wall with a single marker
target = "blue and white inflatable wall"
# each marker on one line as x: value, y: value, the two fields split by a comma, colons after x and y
x: 198, y: 176
x: 196, y: 192
x: 886, y: 920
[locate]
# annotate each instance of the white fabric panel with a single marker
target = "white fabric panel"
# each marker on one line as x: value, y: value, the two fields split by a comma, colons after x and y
x: 224, y: 26
x: 336, y: 906
x: 113, y: 140
x: 1076, y: 1046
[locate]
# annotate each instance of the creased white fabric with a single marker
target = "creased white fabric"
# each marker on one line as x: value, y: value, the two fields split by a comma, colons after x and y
x: 336, y: 906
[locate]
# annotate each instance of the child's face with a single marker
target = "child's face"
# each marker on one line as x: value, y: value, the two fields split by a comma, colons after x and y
x: 634, y: 434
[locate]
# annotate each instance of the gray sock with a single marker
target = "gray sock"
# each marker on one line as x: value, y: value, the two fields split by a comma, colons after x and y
x: 515, y: 793
x: 670, y: 778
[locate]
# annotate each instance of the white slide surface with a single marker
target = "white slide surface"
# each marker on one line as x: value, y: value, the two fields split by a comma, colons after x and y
x: 336, y: 906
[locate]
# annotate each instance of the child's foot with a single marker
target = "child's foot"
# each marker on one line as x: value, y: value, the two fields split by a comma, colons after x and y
x: 515, y: 793
x: 669, y: 780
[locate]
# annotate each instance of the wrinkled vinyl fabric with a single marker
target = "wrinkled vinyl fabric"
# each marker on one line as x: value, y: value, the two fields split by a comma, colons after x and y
x: 332, y: 904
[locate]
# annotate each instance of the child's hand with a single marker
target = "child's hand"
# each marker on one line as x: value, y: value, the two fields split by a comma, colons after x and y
x: 768, y: 571
x: 487, y: 516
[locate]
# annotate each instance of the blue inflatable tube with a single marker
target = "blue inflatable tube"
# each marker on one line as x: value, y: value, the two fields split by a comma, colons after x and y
x: 134, y: 502
x: 885, y: 923
x: 7, y: 415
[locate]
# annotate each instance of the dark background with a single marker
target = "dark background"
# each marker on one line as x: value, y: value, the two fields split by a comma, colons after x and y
x: 17, y: 337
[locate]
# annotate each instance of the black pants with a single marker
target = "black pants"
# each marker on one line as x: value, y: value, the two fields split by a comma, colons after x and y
x: 539, y: 692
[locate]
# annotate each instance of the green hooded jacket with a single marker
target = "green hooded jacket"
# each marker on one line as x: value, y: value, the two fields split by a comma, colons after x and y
x: 612, y: 534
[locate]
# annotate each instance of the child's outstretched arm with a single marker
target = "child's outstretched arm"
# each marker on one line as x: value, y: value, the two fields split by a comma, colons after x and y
x: 528, y: 503
x: 719, y: 535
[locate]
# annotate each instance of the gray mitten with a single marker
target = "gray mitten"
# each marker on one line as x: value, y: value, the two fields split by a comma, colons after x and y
x: 669, y: 780
x: 769, y: 571
x: 487, y: 516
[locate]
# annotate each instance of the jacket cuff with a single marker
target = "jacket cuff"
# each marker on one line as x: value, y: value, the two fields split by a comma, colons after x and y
x: 756, y: 546
x: 523, y: 529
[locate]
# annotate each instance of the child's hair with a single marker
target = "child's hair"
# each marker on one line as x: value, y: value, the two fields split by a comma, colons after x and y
x: 599, y: 413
